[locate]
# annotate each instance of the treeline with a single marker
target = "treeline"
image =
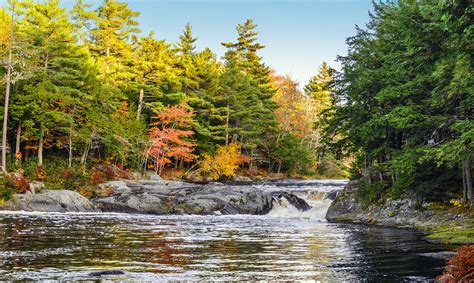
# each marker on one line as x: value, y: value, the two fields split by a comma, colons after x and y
x: 404, y: 101
x: 86, y: 85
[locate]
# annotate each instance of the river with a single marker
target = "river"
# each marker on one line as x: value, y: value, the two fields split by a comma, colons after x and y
x: 284, y: 245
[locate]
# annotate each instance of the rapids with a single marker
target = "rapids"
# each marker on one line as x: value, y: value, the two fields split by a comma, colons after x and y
x: 285, y: 244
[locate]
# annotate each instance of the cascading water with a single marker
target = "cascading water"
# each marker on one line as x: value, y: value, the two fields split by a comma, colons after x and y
x: 285, y: 245
x: 318, y: 194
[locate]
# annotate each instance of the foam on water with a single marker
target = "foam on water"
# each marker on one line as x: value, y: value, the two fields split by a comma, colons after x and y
x: 314, y: 192
x: 284, y: 245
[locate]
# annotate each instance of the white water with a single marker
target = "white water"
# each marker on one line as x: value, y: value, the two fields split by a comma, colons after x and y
x: 284, y: 245
x: 315, y: 193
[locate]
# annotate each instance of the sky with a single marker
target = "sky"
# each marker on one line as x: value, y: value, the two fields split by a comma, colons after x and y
x: 298, y: 34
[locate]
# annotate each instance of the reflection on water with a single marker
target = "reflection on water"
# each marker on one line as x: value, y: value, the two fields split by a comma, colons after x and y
x: 70, y: 246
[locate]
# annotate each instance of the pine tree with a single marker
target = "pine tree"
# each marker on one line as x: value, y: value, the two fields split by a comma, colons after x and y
x: 187, y: 52
x: 82, y: 20
x: 319, y: 88
x: 114, y: 30
x: 242, y: 56
x: 48, y: 31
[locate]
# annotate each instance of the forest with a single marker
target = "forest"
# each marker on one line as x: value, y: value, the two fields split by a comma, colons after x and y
x: 88, y: 92
x: 404, y: 102
x: 86, y: 89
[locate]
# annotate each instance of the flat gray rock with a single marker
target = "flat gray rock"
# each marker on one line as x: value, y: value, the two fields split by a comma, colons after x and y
x: 50, y: 201
x: 175, y: 197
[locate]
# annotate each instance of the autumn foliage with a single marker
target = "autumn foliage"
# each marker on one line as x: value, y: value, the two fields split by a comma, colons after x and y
x: 224, y: 163
x: 460, y: 268
x: 170, y: 137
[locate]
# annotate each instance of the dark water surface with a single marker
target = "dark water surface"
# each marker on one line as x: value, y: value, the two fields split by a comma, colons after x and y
x: 156, y: 248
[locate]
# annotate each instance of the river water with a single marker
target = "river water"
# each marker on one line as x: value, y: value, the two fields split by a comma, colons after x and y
x: 283, y: 245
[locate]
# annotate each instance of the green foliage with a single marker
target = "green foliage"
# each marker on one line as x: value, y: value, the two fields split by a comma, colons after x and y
x: 370, y: 192
x: 294, y: 155
x: 403, y: 104
x: 86, y: 87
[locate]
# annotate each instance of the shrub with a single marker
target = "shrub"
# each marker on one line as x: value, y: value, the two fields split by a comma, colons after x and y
x: 17, y: 182
x: 97, y: 178
x: 6, y: 193
x: 224, y: 163
x: 460, y: 268
x: 368, y: 193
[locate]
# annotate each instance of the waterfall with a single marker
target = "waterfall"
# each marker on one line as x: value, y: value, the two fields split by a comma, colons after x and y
x: 289, y: 196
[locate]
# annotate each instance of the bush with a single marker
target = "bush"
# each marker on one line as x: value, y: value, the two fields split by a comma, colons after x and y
x: 17, y: 182
x: 6, y: 192
x: 460, y: 268
x: 368, y: 193
x: 224, y: 163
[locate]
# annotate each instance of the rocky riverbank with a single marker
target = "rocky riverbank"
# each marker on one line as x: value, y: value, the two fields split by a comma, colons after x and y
x: 439, y: 222
x: 157, y: 197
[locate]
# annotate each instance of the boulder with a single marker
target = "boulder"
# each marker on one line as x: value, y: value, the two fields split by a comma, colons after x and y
x: 294, y: 200
x: 175, y: 197
x: 50, y: 201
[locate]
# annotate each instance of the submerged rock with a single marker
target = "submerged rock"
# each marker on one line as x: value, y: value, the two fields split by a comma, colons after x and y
x: 50, y: 201
x: 106, y: 272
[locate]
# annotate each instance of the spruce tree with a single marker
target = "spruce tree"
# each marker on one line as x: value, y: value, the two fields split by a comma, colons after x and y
x: 243, y: 56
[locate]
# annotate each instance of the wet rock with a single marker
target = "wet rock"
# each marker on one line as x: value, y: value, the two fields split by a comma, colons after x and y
x: 418, y: 279
x: 294, y: 200
x: 405, y: 212
x: 439, y: 255
x: 332, y: 194
x: 50, y: 201
x: 106, y: 272
x: 175, y: 197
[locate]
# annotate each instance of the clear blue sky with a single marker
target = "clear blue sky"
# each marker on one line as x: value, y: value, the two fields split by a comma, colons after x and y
x: 298, y: 34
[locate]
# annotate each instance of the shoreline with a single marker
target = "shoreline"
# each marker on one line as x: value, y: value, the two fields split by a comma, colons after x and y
x: 438, y: 222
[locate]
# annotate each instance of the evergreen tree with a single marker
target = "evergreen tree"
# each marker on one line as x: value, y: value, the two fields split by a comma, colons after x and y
x: 114, y: 29
x: 242, y: 56
x: 82, y: 19
x: 319, y: 88
x: 47, y: 31
x: 403, y: 103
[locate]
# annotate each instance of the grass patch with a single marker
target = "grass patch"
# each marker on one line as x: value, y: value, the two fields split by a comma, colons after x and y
x: 454, y: 232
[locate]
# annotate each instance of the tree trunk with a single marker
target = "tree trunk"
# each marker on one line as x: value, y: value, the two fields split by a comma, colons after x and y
x: 468, y: 177
x: 227, y: 125
x: 279, y: 167
x: 85, y: 154
x: 70, y: 149
x: 18, y: 138
x: 464, y: 182
x: 27, y: 152
x: 140, y: 104
x: 40, y: 146
x: 7, y: 94
x: 17, y: 143
x: 251, y: 159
